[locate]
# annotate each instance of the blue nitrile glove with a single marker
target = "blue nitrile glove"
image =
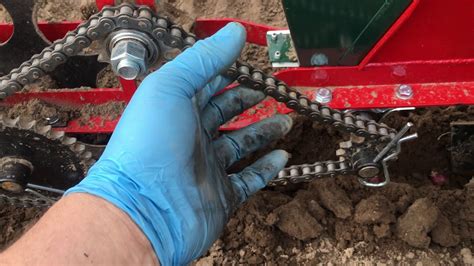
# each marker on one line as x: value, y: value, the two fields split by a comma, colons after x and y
x: 162, y: 166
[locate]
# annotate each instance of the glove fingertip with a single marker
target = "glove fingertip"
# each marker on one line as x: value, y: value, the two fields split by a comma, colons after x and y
x: 278, y: 158
x: 257, y: 175
x: 233, y: 28
x: 229, y: 41
x: 286, y: 121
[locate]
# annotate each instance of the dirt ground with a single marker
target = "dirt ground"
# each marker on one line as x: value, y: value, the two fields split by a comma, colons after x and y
x: 424, y: 217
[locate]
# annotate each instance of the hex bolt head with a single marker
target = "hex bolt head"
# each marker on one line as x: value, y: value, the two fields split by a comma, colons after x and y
x: 319, y: 59
x: 404, y: 92
x: 323, y: 95
x: 277, y: 55
x: 274, y: 36
x: 128, y: 69
x: 128, y: 59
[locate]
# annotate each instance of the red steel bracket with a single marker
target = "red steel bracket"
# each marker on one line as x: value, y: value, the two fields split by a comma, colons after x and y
x: 256, y: 33
x: 434, y: 57
x: 101, y: 3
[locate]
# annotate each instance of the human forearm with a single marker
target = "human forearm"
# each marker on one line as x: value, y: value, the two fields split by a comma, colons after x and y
x: 165, y: 167
x: 82, y: 229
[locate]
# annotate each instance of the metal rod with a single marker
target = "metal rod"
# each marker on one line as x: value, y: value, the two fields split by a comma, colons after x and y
x: 385, y: 161
x: 39, y: 195
x: 394, y: 142
x: 399, y: 109
x: 53, y: 190
x: 408, y: 138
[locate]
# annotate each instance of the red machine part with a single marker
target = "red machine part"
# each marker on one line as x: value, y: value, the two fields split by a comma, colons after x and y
x: 101, y: 3
x: 434, y: 56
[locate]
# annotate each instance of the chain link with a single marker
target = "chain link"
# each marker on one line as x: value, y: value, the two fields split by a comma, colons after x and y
x: 25, y: 201
x: 271, y: 86
x: 307, y: 172
x: 169, y: 36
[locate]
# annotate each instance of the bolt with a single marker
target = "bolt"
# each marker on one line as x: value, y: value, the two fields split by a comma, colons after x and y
x: 128, y: 59
x: 274, y: 36
x: 368, y: 171
x: 51, y: 120
x: 14, y: 173
x: 277, y: 55
x: 404, y: 92
x: 323, y: 95
x: 319, y: 60
x: 399, y: 71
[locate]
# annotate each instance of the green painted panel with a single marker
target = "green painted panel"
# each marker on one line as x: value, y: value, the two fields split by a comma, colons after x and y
x: 339, y: 32
x: 280, y: 49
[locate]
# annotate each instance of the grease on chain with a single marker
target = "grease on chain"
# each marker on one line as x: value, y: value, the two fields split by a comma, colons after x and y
x: 171, y: 36
x: 24, y: 201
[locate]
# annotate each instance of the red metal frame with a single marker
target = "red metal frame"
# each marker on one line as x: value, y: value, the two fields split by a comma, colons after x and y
x: 403, y: 18
x: 256, y: 33
x: 435, y: 56
x: 101, y: 3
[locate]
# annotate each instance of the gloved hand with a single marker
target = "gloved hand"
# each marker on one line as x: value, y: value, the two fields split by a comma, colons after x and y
x: 162, y: 166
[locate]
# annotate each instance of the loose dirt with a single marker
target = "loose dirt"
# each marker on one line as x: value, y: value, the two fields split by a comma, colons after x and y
x: 42, y: 111
x: 328, y: 221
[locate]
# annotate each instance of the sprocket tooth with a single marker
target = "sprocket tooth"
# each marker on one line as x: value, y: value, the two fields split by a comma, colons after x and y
x: 2, y: 115
x: 357, y: 139
x: 68, y: 141
x: 345, y: 144
x: 27, y: 125
x: 86, y: 155
x: 103, y: 58
x: 56, y: 135
x: 9, y: 122
x: 341, y: 152
x: 78, y: 148
x: 43, y: 130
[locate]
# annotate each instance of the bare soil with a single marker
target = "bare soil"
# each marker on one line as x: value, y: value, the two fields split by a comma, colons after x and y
x: 339, y: 221
x: 327, y: 221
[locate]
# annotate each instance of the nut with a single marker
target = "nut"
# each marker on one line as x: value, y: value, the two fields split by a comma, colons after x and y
x: 319, y: 60
x: 323, y: 95
x: 404, y: 92
x: 128, y: 59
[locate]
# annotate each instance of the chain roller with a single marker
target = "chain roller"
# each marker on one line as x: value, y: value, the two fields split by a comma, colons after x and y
x: 307, y: 172
x: 25, y: 201
x: 98, y: 27
x: 170, y: 36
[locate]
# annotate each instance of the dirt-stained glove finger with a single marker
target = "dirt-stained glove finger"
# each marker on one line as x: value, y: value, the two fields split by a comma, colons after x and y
x: 214, y: 86
x: 256, y: 176
x: 224, y: 107
x: 238, y: 144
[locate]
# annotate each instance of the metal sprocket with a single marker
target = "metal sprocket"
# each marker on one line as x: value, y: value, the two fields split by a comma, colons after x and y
x: 57, y: 161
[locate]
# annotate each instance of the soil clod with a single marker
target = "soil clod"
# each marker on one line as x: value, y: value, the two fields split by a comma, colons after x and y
x: 295, y: 220
x: 333, y: 198
x: 374, y: 210
x: 413, y: 226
